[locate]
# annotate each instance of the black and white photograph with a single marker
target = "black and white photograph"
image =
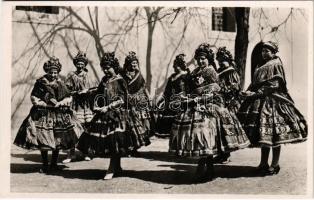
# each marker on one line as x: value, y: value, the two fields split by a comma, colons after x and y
x: 193, y: 98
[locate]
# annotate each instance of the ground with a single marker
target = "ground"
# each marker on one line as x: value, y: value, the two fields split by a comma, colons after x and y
x: 156, y: 171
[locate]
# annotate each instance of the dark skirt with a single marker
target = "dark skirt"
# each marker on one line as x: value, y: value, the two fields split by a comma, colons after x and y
x: 114, y: 133
x: 270, y: 122
x: 164, y: 123
x: 49, y: 129
x: 207, y: 130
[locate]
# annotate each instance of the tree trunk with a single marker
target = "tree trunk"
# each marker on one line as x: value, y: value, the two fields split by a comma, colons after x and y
x: 242, y: 40
x: 148, y: 57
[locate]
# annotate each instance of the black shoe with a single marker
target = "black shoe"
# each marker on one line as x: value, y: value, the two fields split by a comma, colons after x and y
x: 118, y: 171
x: 221, y: 160
x: 135, y: 153
x: 200, y: 170
x: 210, y: 170
x: 273, y: 170
x: 217, y: 159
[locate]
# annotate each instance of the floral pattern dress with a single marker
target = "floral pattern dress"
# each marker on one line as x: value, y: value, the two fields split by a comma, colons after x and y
x: 205, y: 127
x: 48, y: 127
x: 270, y: 117
x: 116, y: 131
x: 176, y: 86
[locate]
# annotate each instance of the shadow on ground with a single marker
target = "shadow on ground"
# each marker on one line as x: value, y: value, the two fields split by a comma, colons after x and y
x: 19, y: 168
x: 36, y: 158
x: 167, y: 157
x: 181, y: 174
x: 150, y: 155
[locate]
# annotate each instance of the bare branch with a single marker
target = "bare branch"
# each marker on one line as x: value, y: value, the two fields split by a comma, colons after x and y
x: 177, y: 11
x: 275, y: 28
x: 63, y: 38
x: 19, y: 104
x: 29, y: 81
x: 176, y: 48
x: 92, y: 32
x: 91, y: 18
x: 36, y: 35
x: 127, y: 28
x: 96, y: 20
x: 153, y: 17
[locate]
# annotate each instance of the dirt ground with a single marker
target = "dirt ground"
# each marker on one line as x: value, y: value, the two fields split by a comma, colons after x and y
x: 158, y: 172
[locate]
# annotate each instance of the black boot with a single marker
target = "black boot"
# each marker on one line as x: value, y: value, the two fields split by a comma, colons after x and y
x: 118, y: 169
x: 54, y: 160
x: 201, y: 169
x: 44, y: 157
x: 210, y: 170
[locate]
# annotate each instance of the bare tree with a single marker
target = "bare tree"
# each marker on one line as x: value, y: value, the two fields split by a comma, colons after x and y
x: 74, y: 22
x: 264, y: 28
x: 152, y: 17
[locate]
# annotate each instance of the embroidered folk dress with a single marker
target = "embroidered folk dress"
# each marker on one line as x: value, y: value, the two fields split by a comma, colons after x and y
x: 205, y: 128
x: 82, y: 103
x: 230, y: 88
x: 176, y: 86
x: 270, y: 117
x: 138, y: 101
x: 113, y: 132
x: 47, y: 127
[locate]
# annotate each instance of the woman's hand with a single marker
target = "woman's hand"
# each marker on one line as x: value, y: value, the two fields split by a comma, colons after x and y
x: 38, y: 102
x: 53, y: 101
x: 116, y: 104
x: 84, y: 91
x: 65, y: 102
x: 247, y: 94
x: 101, y: 109
x: 58, y: 104
x: 104, y: 109
x: 97, y: 109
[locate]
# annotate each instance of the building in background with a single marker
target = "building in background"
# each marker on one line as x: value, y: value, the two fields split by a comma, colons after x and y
x: 124, y: 29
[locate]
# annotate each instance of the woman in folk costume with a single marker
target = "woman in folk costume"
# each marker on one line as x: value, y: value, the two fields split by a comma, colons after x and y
x: 81, y: 88
x: 50, y: 124
x: 268, y: 113
x: 229, y: 79
x: 176, y: 86
x: 112, y: 131
x: 138, y: 99
x: 205, y: 128
x: 230, y: 88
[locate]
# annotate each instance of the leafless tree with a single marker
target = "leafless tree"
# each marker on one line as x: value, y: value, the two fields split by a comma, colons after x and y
x: 70, y: 24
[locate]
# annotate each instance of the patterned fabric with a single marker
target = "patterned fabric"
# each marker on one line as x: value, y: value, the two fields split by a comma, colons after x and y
x: 138, y: 100
x: 230, y: 87
x: 269, y: 117
x: 206, y: 127
x: 118, y: 131
x: 82, y: 103
x: 176, y: 86
x: 47, y: 127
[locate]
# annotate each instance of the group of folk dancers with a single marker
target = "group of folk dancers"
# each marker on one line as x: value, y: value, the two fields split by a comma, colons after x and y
x: 203, y: 111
